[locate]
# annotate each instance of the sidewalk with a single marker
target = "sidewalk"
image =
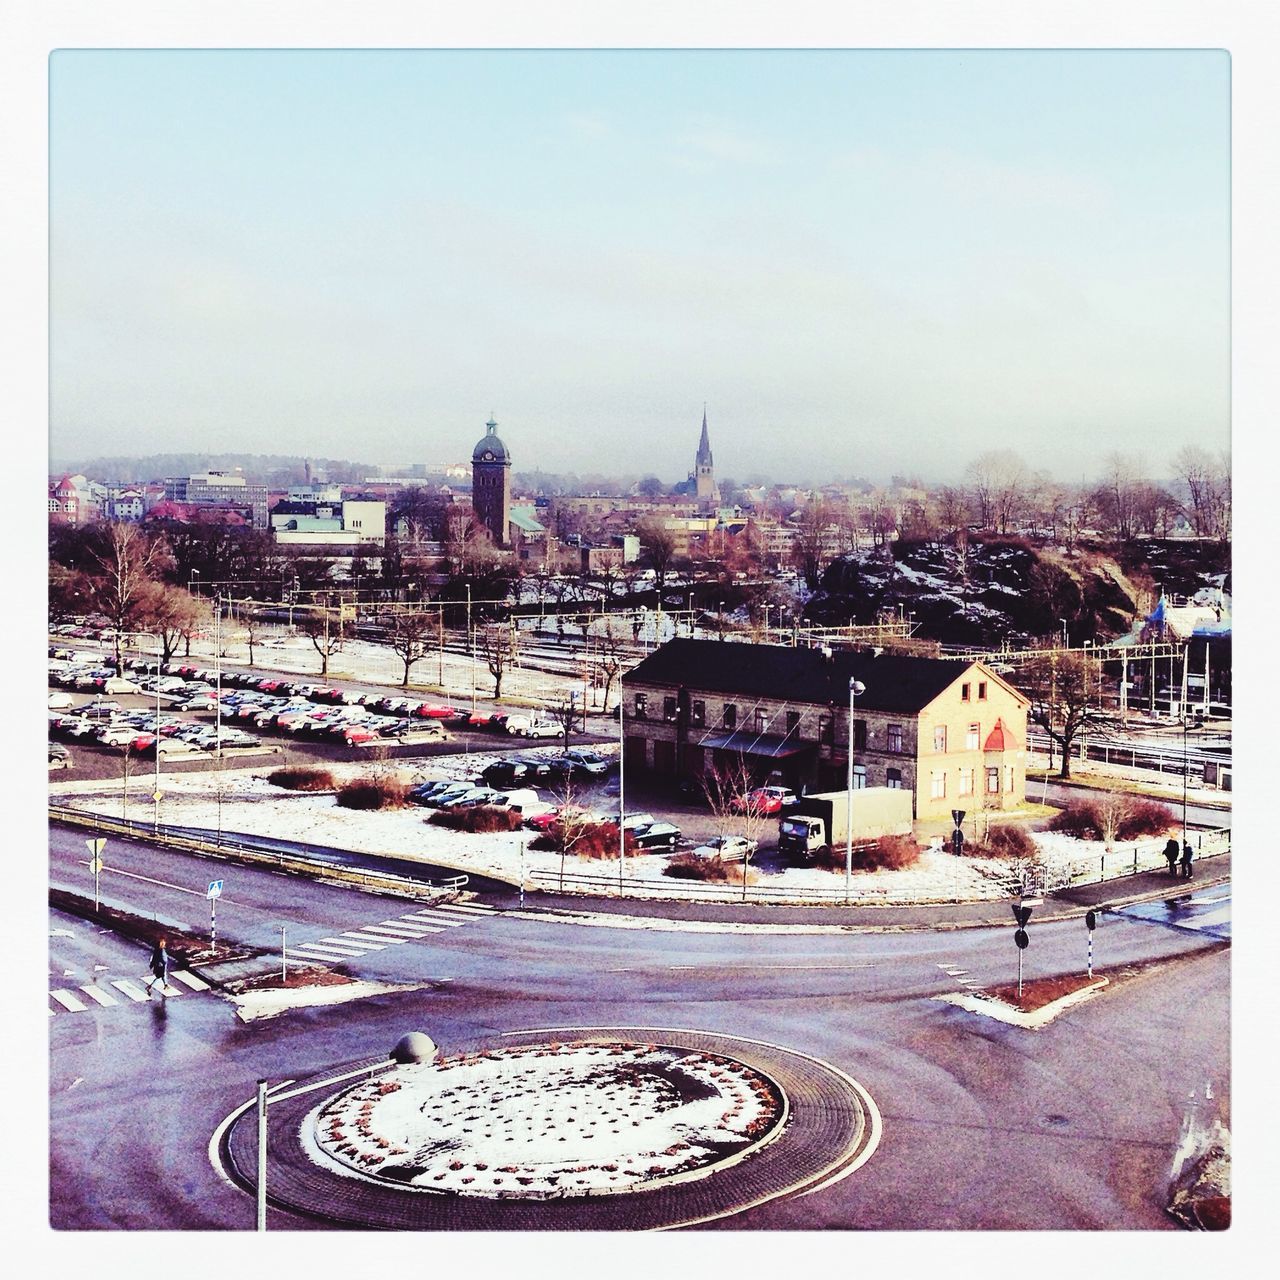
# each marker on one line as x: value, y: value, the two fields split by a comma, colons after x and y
x: 1063, y: 905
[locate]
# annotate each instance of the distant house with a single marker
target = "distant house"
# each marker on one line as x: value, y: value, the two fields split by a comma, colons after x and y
x: 72, y: 501
x: 953, y: 733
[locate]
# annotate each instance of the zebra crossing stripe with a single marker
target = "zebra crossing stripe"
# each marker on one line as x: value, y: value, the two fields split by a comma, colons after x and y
x: 190, y: 980
x: 467, y: 909
x: 95, y: 993
x: 68, y: 1001
x: 131, y: 989
x: 438, y: 920
x: 342, y: 945
x: 310, y: 952
x: 383, y: 935
x: 366, y: 940
x: 408, y: 930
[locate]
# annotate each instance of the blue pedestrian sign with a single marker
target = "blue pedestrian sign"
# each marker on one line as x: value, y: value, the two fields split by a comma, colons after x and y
x: 215, y: 889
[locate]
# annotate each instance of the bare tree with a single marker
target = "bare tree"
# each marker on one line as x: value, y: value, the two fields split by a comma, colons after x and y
x: 611, y: 644
x: 726, y: 788
x: 998, y: 477
x: 1063, y: 691
x: 497, y: 647
x: 411, y: 633
x: 125, y: 585
x: 659, y: 547
x: 251, y: 621
x: 325, y: 627
x: 174, y: 614
x: 566, y: 713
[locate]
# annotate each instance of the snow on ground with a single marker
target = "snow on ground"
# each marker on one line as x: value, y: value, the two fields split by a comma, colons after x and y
x: 544, y: 1120
x: 252, y: 806
x: 252, y: 1005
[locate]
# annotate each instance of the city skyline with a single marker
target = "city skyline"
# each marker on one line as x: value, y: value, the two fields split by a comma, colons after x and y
x: 867, y: 263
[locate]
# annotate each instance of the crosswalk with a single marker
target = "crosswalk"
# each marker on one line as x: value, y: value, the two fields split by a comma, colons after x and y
x: 410, y: 927
x: 115, y: 992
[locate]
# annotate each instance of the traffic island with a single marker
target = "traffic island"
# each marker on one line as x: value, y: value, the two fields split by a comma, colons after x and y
x: 633, y: 1130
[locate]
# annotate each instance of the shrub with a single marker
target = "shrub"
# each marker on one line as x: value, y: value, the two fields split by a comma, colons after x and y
x: 299, y: 779
x: 479, y: 818
x: 1005, y: 841
x: 373, y: 793
x: 687, y: 866
x: 888, y: 853
x: 1145, y: 818
x: 587, y: 840
x: 1082, y: 819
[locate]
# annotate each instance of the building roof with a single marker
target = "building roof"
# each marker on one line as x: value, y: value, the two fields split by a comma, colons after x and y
x: 893, y: 682
x: 1000, y: 738
x: 490, y: 444
x: 524, y: 520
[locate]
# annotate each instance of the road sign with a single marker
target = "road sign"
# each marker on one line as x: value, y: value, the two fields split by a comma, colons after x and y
x: 157, y: 796
x: 957, y: 841
x: 215, y: 889
x: 95, y: 864
x: 957, y: 816
x: 96, y: 846
x: 1020, y: 937
x: 1090, y: 921
x: 1022, y: 914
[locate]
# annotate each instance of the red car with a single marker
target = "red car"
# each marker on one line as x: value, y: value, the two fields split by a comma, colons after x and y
x: 765, y: 800
x: 358, y: 733
x: 434, y: 711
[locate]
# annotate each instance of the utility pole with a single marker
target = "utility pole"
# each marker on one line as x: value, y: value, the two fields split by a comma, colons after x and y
x: 262, y: 1156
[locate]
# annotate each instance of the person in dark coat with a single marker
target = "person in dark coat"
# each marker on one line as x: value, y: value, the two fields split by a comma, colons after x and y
x: 1171, y: 856
x: 1186, y: 861
x: 159, y: 966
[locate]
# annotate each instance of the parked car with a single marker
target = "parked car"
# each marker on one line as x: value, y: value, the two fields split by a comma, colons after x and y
x: 446, y: 795
x: 59, y: 756
x: 532, y: 727
x: 727, y: 848
x: 764, y: 800
x: 505, y: 772
x: 471, y: 799
x: 657, y: 835
x: 435, y: 711
x: 57, y: 701
x: 578, y: 762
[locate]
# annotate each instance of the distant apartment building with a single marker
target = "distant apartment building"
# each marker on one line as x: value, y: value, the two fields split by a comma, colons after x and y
x: 72, y: 501
x: 221, y: 489
x: 319, y: 516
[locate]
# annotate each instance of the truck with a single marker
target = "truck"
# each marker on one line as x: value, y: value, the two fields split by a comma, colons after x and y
x: 819, y: 823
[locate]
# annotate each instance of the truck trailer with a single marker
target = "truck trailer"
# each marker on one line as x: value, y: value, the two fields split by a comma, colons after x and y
x: 820, y: 823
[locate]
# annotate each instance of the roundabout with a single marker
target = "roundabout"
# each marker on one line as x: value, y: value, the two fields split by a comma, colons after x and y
x: 589, y: 1129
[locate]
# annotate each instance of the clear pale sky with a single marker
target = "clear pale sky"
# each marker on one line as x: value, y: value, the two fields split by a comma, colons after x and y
x: 865, y: 262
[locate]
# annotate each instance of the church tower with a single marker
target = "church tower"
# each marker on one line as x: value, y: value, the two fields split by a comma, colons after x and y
x: 491, y: 484
x: 704, y: 475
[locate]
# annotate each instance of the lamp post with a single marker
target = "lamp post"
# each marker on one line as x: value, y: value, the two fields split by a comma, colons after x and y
x: 195, y: 573
x: 855, y: 687
x: 1185, y: 762
x: 622, y: 808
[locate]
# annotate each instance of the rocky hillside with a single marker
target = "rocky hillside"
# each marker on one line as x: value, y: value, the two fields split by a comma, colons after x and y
x: 1008, y: 589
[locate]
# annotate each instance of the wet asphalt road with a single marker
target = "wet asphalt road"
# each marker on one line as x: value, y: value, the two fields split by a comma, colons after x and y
x: 985, y: 1125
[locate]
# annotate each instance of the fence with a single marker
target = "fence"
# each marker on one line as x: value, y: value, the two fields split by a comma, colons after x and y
x: 1026, y: 877
x: 255, y: 854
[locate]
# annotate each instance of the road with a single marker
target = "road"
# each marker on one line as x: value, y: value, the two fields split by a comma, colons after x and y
x: 985, y: 1125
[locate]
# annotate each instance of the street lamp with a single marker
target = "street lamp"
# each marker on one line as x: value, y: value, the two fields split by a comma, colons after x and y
x: 855, y: 687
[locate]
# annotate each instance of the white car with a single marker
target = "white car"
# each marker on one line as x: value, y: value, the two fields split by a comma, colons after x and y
x: 59, y: 701
x: 118, y: 684
x: 727, y: 848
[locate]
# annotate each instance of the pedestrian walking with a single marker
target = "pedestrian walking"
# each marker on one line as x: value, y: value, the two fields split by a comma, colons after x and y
x: 1171, y: 856
x: 159, y: 966
x: 1186, y: 861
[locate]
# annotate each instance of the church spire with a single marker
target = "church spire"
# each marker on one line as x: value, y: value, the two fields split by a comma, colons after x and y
x: 704, y: 444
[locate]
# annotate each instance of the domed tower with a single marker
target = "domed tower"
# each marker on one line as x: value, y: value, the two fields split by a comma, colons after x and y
x: 491, y: 484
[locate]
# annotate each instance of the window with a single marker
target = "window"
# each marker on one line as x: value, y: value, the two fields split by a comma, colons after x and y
x: 730, y: 716
x: 642, y: 705
x: 964, y: 692
x: 668, y: 708
x: 982, y: 691
x: 826, y: 730
x: 895, y: 737
x: 972, y: 734
x: 893, y: 779
x: 859, y: 735
x: 938, y: 785
x: 859, y: 777
x: 993, y: 780
x: 940, y: 737
x: 762, y: 720
x: 698, y: 713
x: 966, y: 782
x: 793, y: 722
x: 1008, y: 777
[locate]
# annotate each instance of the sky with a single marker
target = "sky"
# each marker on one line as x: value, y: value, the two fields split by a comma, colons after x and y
x: 864, y: 263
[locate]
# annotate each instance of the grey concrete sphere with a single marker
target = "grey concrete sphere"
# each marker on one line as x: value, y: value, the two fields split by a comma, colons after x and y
x: 414, y: 1047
